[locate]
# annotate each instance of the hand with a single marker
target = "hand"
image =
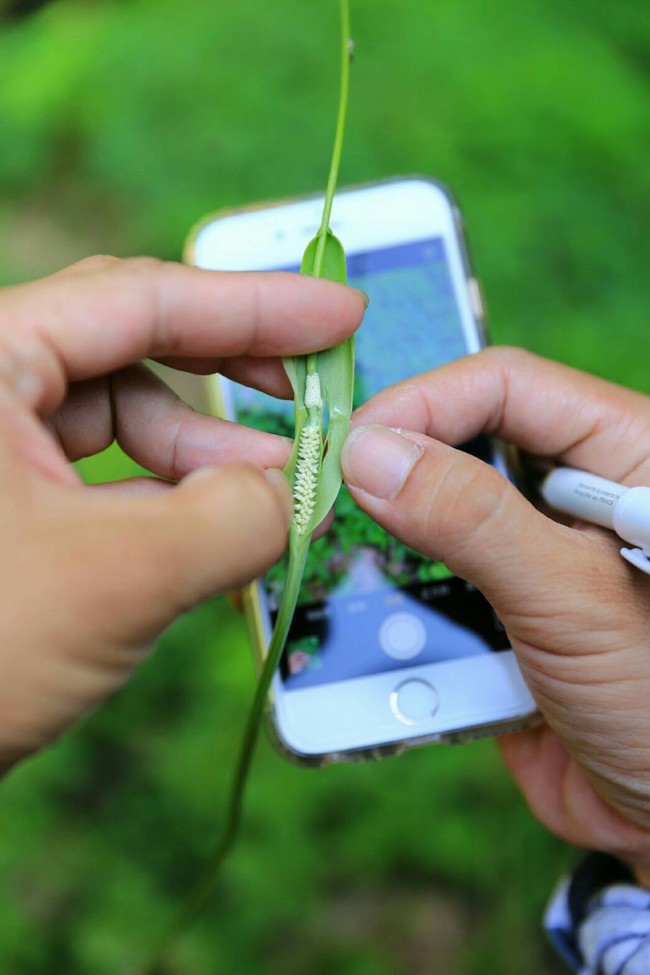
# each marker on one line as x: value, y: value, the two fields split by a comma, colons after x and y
x: 92, y: 575
x: 577, y: 615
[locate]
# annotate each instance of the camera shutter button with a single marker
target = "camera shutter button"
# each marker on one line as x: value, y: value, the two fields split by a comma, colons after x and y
x: 402, y: 636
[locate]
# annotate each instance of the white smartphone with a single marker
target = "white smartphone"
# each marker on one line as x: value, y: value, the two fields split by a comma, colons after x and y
x: 387, y: 649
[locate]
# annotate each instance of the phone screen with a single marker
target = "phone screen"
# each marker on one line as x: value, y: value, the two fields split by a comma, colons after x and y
x: 368, y: 603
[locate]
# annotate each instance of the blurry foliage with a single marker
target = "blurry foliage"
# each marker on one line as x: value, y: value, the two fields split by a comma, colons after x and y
x: 124, y: 122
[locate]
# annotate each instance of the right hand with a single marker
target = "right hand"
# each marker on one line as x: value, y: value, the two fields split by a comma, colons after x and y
x: 577, y: 614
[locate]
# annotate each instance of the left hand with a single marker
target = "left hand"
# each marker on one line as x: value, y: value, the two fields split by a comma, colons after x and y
x: 92, y: 575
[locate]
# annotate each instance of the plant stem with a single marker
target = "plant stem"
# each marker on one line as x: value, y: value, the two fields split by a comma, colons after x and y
x: 338, y: 137
x: 298, y: 549
x: 199, y: 895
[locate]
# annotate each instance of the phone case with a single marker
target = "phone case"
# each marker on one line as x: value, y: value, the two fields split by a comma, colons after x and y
x: 213, y: 396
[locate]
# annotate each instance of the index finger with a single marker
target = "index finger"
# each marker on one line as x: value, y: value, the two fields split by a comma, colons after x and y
x: 104, y: 314
x: 542, y: 407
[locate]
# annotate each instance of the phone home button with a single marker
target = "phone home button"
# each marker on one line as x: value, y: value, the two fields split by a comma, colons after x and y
x: 414, y: 701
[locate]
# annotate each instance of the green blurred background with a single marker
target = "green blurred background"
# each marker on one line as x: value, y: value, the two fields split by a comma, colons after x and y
x: 122, y: 123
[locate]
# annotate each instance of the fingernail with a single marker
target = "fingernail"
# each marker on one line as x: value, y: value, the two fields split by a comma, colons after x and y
x: 363, y: 294
x: 280, y: 485
x: 378, y: 460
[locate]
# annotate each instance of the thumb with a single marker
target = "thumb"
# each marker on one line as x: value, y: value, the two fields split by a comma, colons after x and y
x: 576, y: 615
x: 108, y: 573
x: 238, y: 516
x: 218, y: 529
x: 453, y: 507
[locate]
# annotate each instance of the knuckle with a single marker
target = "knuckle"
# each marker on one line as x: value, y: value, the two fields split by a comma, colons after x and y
x: 507, y: 356
x: 176, y: 467
x: 30, y: 368
x: 254, y: 313
x: 146, y: 280
x: 97, y: 262
x: 143, y: 264
x: 470, y: 502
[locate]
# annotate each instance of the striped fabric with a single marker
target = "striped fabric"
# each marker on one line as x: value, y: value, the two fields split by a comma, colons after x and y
x: 611, y: 936
x: 615, y: 936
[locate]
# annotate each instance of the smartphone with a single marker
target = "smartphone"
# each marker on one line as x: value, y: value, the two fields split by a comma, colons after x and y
x: 387, y: 649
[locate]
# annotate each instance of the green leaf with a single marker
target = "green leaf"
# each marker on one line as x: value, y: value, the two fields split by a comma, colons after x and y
x: 336, y: 371
x: 324, y: 257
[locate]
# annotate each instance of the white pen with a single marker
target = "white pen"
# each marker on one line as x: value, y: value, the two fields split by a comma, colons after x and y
x: 601, y: 502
